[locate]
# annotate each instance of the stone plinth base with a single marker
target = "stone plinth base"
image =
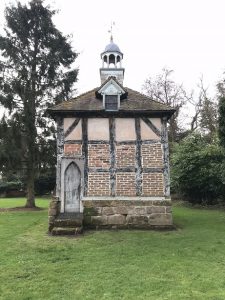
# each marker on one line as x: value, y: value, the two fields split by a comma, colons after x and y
x: 53, y: 211
x: 143, y: 214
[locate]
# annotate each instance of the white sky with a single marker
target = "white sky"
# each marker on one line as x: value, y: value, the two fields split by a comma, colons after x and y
x: 187, y: 36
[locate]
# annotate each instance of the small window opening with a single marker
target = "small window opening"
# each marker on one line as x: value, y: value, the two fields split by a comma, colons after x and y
x: 111, y: 102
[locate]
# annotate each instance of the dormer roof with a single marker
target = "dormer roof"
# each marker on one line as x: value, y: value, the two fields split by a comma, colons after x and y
x: 111, y: 87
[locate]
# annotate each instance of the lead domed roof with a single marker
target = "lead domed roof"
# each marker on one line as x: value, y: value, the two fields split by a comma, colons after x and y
x: 112, y: 47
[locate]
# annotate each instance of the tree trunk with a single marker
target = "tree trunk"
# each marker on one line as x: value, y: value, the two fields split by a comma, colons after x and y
x: 30, y: 189
x: 31, y: 154
x: 32, y: 133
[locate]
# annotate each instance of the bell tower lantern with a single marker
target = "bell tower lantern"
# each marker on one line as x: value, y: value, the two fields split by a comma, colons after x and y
x: 112, y: 63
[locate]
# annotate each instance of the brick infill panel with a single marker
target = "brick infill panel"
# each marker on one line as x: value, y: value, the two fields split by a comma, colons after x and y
x: 125, y: 184
x: 98, y: 184
x: 152, y: 184
x: 125, y: 156
x: 98, y: 156
x: 152, y: 155
x: 73, y: 149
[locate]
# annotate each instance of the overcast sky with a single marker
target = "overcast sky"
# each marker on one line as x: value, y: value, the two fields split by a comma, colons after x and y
x: 187, y: 36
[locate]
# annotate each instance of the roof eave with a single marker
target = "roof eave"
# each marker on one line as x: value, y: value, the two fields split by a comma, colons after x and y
x: 104, y: 113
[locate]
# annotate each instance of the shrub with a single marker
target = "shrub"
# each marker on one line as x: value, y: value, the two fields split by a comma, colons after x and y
x: 196, y: 171
x: 12, y: 189
x: 44, y: 185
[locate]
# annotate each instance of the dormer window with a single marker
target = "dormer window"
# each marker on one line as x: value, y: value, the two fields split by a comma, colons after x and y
x: 111, y: 102
x: 111, y: 92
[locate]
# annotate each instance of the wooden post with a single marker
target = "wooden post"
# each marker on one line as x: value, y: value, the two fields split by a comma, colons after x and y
x: 138, y: 166
x: 85, y: 153
x: 166, y: 169
x: 60, y: 146
x: 112, y: 169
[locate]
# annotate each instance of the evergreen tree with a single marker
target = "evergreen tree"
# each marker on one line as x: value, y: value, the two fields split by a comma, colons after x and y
x: 36, y: 71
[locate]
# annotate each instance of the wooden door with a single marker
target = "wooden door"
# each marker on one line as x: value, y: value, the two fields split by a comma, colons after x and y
x: 72, y: 180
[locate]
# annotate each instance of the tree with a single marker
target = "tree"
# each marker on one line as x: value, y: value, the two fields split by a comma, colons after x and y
x: 208, y: 113
x: 197, y: 172
x: 165, y: 90
x: 36, y: 71
x: 11, y: 149
x: 221, y: 112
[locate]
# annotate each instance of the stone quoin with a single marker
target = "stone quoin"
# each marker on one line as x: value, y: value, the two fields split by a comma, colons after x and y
x: 112, y: 157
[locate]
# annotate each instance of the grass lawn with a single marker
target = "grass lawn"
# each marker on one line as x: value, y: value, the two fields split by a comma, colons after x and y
x: 185, y: 264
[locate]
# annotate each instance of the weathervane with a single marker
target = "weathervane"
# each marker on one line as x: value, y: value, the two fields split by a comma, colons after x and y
x: 111, y: 31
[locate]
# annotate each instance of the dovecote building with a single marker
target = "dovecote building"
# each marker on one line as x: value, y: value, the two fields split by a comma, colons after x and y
x: 112, y: 156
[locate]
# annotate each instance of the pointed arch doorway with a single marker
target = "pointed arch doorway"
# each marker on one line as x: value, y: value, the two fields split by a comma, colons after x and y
x: 71, y: 185
x: 72, y: 182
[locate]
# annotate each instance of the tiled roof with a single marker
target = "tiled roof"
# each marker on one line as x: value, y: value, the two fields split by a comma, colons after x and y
x: 134, y: 102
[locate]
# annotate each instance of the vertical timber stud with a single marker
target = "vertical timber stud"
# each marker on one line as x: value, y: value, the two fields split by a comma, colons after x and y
x: 112, y: 169
x: 165, y: 145
x: 85, y: 153
x: 138, y: 166
x: 60, y: 145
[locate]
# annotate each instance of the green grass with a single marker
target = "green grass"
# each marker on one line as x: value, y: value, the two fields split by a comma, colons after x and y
x: 17, y: 202
x: 185, y: 264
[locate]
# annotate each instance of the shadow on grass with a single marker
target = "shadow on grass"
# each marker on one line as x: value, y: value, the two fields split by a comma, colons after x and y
x: 22, y: 208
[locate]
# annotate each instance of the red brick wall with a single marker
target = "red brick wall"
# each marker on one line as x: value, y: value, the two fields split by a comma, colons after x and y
x: 125, y: 156
x: 98, y: 156
x: 152, y: 155
x: 152, y: 184
x: 73, y: 149
x: 98, y: 184
x: 125, y: 184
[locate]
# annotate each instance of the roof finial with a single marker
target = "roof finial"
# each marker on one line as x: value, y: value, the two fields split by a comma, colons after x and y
x: 111, y: 31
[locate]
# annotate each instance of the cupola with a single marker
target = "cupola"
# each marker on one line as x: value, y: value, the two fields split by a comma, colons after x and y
x: 112, y: 63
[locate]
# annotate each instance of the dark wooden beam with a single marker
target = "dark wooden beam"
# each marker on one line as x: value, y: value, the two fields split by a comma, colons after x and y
x: 166, y: 170
x: 73, y: 142
x: 98, y: 170
x: 71, y: 127
x: 101, y: 142
x: 153, y: 170
x: 60, y: 136
x: 126, y: 143
x: 152, y: 126
x: 60, y: 149
x: 85, y: 153
x: 112, y: 156
x: 125, y: 170
x: 106, y: 114
x: 138, y: 158
x: 146, y: 142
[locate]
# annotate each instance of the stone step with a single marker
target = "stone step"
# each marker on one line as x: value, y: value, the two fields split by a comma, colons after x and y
x: 67, y: 230
x: 69, y: 220
x: 67, y: 215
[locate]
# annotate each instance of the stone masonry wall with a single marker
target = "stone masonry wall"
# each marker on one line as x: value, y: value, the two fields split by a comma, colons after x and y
x: 127, y: 214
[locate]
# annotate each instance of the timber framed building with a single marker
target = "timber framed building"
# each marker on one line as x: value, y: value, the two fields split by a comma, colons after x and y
x: 112, y: 156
